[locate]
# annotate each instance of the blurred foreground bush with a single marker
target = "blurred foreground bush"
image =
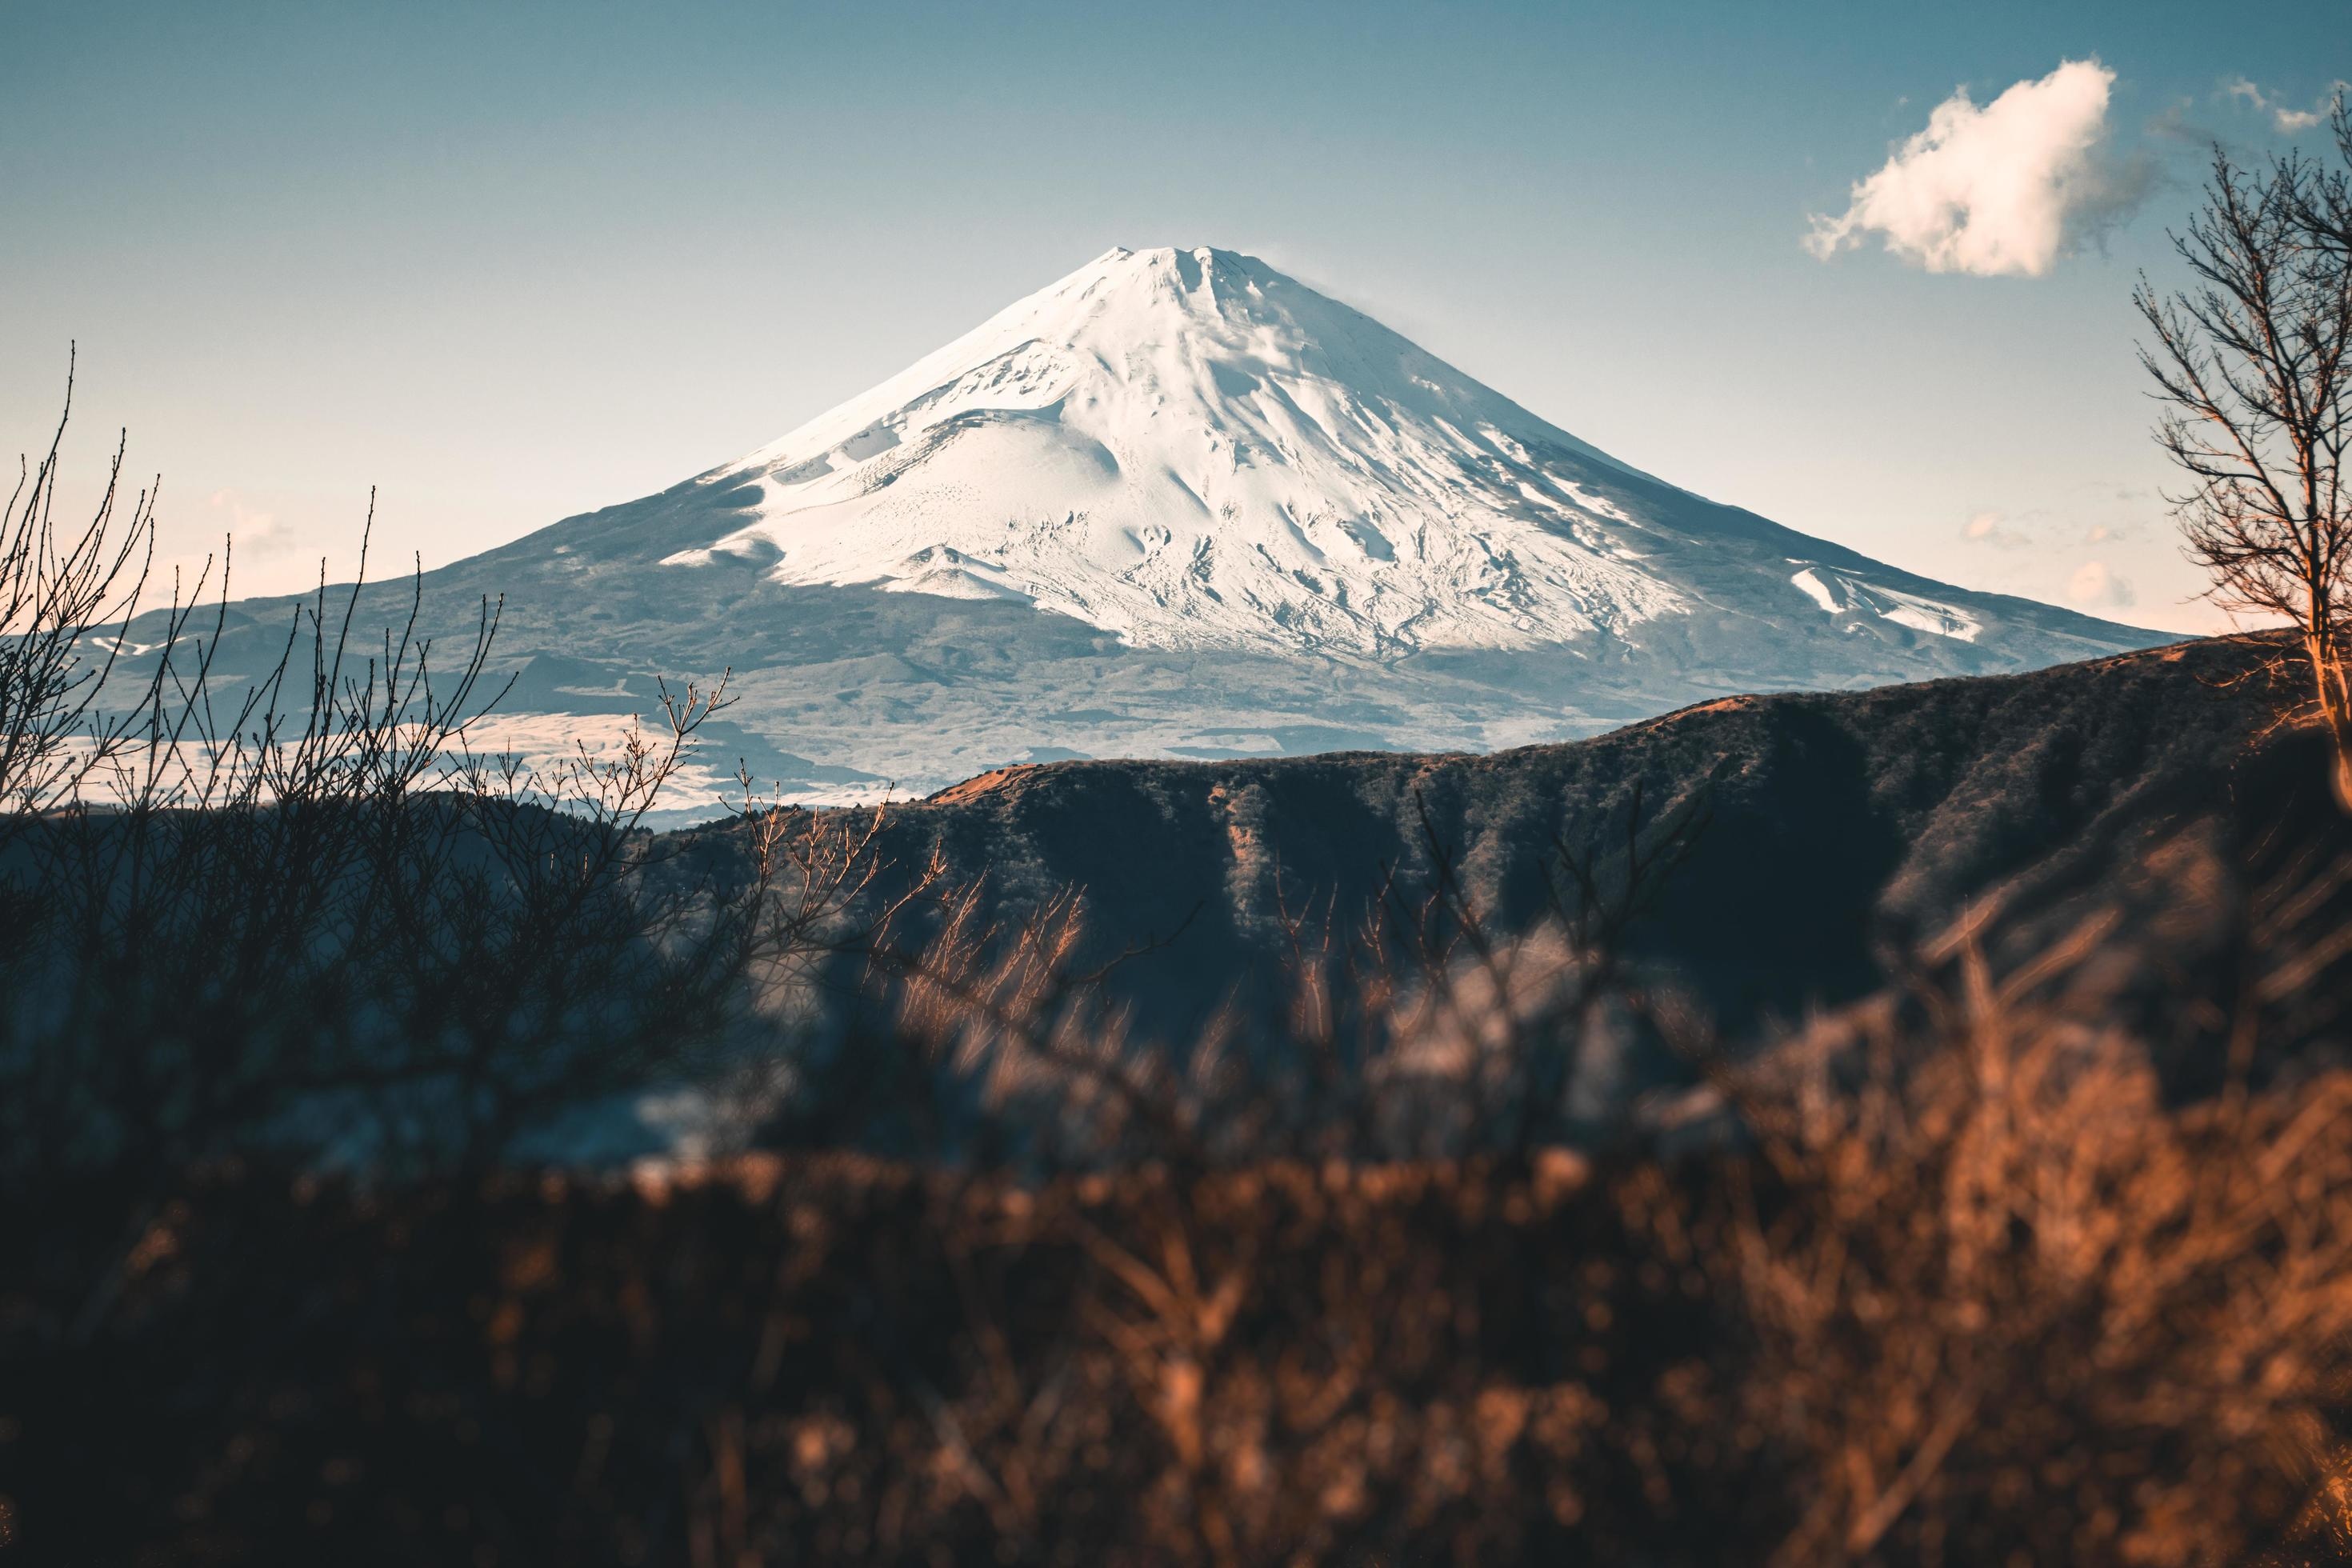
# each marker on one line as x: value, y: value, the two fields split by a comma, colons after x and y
x: 1979, y: 1295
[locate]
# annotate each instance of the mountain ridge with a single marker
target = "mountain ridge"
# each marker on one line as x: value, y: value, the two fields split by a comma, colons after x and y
x: 2144, y: 794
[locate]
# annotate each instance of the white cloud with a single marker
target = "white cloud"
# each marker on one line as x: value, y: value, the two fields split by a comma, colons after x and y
x: 1989, y: 528
x: 2003, y: 189
x: 252, y: 531
x: 2288, y: 119
x: 2094, y: 586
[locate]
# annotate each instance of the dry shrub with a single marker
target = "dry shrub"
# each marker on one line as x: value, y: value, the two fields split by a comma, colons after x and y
x: 1994, y: 1303
x: 1999, y: 1301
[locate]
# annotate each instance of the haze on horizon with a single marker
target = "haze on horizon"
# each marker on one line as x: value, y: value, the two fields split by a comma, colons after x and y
x: 509, y: 268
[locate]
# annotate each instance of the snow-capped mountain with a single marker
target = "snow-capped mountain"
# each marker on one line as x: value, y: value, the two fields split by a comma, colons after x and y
x: 1189, y: 450
x: 1178, y: 503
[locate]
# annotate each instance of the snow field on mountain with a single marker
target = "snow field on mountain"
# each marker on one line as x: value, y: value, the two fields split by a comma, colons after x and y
x: 1191, y: 450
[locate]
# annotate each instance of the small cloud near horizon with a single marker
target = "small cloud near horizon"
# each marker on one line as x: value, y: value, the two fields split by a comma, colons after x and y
x: 2286, y: 118
x: 249, y: 530
x: 1999, y: 190
x: 1990, y: 528
x: 2096, y: 585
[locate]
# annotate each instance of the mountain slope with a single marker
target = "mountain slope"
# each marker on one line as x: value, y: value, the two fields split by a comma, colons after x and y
x: 1180, y: 504
x: 1189, y: 450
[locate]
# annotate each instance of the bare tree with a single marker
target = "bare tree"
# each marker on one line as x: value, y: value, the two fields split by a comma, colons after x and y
x: 2253, y: 362
x: 2324, y: 205
x: 60, y: 587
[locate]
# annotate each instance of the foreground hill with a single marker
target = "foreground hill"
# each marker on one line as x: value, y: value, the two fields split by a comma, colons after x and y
x: 1842, y: 831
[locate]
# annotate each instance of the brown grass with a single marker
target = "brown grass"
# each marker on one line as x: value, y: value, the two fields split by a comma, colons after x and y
x: 1971, y: 1291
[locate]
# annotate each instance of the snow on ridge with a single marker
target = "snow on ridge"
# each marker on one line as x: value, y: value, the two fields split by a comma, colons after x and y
x: 1817, y: 591
x: 1912, y: 610
x: 1189, y: 450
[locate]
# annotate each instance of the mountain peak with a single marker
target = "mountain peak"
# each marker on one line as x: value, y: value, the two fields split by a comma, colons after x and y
x: 1177, y: 273
x: 1167, y: 254
x: 1190, y: 449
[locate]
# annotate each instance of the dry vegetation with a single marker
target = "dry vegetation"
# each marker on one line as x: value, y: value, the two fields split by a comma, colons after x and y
x: 1970, y: 1291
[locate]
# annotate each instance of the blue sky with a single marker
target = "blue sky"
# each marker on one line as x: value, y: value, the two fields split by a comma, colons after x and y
x: 509, y: 263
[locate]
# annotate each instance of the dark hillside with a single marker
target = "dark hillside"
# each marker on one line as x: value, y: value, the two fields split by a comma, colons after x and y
x: 1840, y: 828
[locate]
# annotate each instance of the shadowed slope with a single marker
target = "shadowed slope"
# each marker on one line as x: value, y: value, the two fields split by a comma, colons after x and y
x: 1840, y: 827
